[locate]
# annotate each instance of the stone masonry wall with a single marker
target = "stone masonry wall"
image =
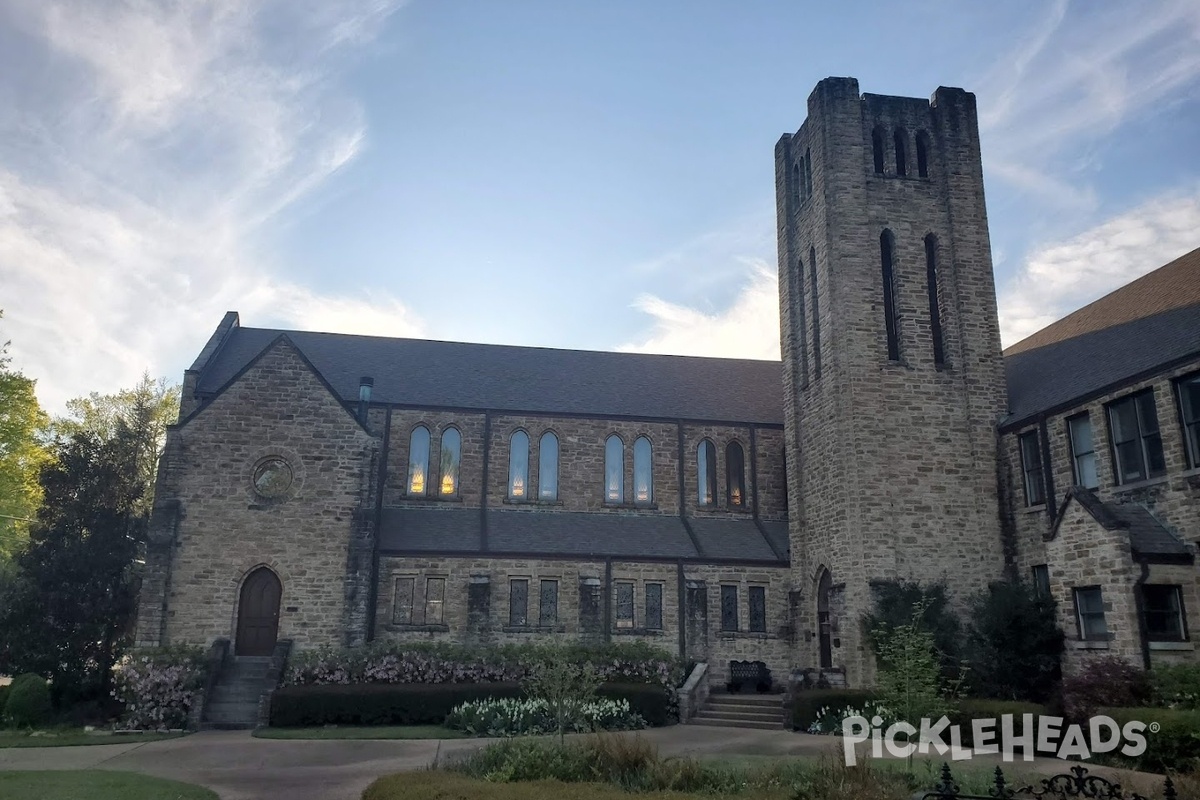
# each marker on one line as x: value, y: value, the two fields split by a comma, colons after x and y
x: 225, y: 529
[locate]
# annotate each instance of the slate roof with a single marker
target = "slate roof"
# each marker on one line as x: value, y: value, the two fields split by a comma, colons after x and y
x: 1173, y: 285
x: 565, y: 533
x: 1065, y: 373
x: 1147, y: 536
x: 418, y: 372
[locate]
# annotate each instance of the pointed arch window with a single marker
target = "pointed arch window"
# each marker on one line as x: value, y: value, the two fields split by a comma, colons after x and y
x: 518, y: 466
x: 891, y: 321
x: 418, y: 461
x: 816, y: 312
x: 901, y: 138
x: 706, y: 473
x: 735, y: 475
x: 643, y: 471
x: 935, y: 313
x: 614, y: 470
x: 807, y: 172
x: 877, y: 149
x: 796, y: 182
x: 922, y: 154
x: 450, y: 462
x: 548, y: 467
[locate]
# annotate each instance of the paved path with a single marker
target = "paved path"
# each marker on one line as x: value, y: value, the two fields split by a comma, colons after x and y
x: 239, y: 767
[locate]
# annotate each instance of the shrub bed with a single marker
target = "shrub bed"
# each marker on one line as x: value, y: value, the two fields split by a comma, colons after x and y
x: 648, y: 701
x: 158, y: 687
x: 522, y: 717
x: 1176, y: 745
x: 1176, y: 686
x: 378, y: 704
x: 4, y: 699
x: 970, y: 709
x: 807, y: 705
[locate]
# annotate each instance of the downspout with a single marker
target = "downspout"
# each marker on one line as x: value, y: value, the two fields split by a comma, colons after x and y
x: 608, y: 600
x: 1138, y: 605
x: 382, y: 485
x: 483, y: 499
x: 1047, y: 469
x: 681, y: 615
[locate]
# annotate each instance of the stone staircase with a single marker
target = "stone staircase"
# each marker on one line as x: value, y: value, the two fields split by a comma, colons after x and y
x: 233, y: 702
x: 741, y: 710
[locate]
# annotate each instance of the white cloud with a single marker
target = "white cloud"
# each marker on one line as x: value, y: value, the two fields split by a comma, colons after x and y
x: 146, y: 145
x: 747, y: 328
x: 1078, y: 75
x: 1058, y: 278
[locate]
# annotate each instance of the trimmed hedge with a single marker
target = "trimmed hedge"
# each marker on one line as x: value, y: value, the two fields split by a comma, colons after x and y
x: 972, y: 708
x: 4, y: 698
x: 1176, y: 745
x: 807, y: 703
x: 28, y: 703
x: 650, y: 701
x: 378, y: 703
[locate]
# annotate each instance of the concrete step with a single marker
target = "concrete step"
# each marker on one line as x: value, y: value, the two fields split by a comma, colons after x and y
x: 721, y: 723
x: 767, y: 700
x: 748, y: 716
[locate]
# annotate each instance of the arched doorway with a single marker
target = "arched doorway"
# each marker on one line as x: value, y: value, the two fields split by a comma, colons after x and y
x: 824, y: 625
x: 258, y: 613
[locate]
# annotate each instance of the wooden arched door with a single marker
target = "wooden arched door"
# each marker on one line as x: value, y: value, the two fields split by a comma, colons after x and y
x: 258, y: 613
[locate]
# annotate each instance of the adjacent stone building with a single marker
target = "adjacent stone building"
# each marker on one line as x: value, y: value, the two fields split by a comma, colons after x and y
x: 335, y: 490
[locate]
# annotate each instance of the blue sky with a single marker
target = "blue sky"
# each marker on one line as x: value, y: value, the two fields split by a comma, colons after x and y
x: 593, y: 175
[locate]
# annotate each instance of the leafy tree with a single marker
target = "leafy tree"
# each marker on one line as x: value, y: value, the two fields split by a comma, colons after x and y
x: 138, y: 415
x: 1014, y: 644
x: 22, y: 454
x: 564, y: 683
x: 68, y: 612
x: 895, y: 602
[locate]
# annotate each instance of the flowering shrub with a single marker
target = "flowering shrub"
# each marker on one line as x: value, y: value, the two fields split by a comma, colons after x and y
x: 829, y: 718
x: 509, y: 717
x: 158, y: 687
x: 396, y: 662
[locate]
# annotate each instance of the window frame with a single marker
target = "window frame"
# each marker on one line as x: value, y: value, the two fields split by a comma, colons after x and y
x: 624, y: 622
x: 515, y: 458
x: 729, y: 590
x: 891, y: 309
x: 706, y: 474
x: 655, y: 624
x: 1032, y: 498
x: 609, y: 454
x: 734, y: 446
x: 456, y: 451
x: 423, y: 491
x: 761, y: 592
x: 1190, y: 429
x: 1076, y: 457
x: 547, y: 494
x: 644, y: 463
x: 439, y: 604
x: 1179, y: 613
x: 411, y: 581
x: 513, y: 621
x: 1041, y: 579
x: 545, y: 621
x: 1080, y: 625
x: 1141, y: 438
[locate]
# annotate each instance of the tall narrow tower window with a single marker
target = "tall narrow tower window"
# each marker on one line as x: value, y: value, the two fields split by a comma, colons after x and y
x: 796, y: 182
x: 706, y: 473
x: 799, y: 330
x: 886, y: 244
x: 935, y: 313
x: 418, y: 461
x: 518, y: 466
x: 816, y: 312
x: 449, y: 463
x: 800, y: 181
x: 614, y: 470
x: 877, y: 149
x: 807, y: 172
x: 735, y: 476
x: 922, y: 154
x: 643, y: 471
x: 900, y: 138
x: 548, y: 467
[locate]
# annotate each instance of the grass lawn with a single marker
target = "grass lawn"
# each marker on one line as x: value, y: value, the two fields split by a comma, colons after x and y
x: 362, y: 732
x: 436, y: 785
x: 95, y: 784
x: 70, y: 737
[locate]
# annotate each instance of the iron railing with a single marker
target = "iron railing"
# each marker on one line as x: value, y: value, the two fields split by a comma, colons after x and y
x: 1059, y: 787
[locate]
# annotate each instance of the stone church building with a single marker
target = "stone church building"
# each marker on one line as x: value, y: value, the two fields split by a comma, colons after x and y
x: 335, y: 490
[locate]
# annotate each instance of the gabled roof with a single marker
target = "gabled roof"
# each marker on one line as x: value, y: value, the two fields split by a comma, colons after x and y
x: 1068, y: 372
x: 1147, y: 536
x: 422, y: 373
x: 1174, y: 285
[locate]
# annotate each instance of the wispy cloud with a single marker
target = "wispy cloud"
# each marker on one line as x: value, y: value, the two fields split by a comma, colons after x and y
x: 144, y: 146
x: 1061, y: 277
x: 1080, y: 72
x: 747, y: 327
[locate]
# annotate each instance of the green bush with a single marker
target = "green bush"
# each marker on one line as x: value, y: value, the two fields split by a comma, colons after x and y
x: 3, y: 700
x: 1176, y: 745
x: 28, y: 703
x: 650, y: 701
x: 806, y: 705
x: 1014, y: 645
x: 893, y: 605
x: 1106, y: 681
x: 972, y: 709
x: 378, y: 704
x: 1176, y: 686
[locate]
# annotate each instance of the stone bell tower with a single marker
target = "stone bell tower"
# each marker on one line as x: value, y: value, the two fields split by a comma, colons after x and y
x: 893, y: 377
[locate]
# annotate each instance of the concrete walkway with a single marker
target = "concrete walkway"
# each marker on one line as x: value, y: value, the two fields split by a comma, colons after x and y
x: 239, y: 767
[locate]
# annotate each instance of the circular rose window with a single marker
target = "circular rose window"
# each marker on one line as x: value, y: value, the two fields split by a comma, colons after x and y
x: 273, y: 478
